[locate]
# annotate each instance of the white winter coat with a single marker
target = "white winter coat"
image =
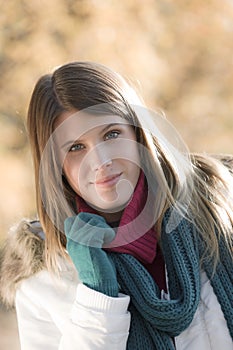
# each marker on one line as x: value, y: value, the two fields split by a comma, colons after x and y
x: 60, y: 313
x: 66, y: 315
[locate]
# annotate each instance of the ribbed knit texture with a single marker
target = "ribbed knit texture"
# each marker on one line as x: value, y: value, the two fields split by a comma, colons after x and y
x: 155, y: 321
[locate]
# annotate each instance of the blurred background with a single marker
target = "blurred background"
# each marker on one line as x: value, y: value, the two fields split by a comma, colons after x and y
x: 178, y: 54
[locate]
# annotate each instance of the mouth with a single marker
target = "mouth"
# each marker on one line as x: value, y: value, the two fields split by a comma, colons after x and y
x: 108, y: 181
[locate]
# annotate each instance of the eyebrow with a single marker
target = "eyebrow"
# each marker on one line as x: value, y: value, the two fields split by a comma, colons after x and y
x: 70, y: 142
x: 110, y: 126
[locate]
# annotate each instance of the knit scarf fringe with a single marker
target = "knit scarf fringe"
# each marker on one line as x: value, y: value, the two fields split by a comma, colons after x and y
x: 155, y: 321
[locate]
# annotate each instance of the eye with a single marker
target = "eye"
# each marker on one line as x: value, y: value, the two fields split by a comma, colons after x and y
x: 76, y: 147
x: 112, y: 135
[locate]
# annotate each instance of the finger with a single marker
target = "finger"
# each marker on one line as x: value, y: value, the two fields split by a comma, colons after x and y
x: 109, y: 235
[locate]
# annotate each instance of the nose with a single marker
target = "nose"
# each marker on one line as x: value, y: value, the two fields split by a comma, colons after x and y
x: 99, y: 157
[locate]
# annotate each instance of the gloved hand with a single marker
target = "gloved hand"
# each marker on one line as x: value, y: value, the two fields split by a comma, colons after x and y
x: 86, y: 233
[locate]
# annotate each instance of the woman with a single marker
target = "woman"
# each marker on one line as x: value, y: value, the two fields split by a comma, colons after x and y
x: 133, y: 249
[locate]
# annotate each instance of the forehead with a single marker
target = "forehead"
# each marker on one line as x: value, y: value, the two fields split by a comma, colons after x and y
x: 72, y: 125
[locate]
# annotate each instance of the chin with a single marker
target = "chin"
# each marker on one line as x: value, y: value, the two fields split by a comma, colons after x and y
x: 110, y: 206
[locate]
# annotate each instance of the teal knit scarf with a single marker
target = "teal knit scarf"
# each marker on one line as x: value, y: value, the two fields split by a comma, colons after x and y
x: 154, y: 321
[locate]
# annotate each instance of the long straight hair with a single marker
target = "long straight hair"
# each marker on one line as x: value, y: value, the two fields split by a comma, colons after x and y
x: 198, y: 184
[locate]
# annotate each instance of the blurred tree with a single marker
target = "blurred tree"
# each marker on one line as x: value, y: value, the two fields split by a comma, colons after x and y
x: 178, y: 54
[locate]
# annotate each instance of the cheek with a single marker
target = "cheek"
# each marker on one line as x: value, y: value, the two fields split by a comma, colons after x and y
x: 77, y: 172
x: 134, y: 171
x: 71, y: 171
x: 127, y: 150
x: 134, y: 161
x: 135, y: 165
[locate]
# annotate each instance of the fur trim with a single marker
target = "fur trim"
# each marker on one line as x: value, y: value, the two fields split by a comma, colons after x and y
x: 226, y: 159
x: 21, y: 257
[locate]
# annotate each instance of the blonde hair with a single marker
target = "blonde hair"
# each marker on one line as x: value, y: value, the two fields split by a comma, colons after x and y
x: 199, y: 184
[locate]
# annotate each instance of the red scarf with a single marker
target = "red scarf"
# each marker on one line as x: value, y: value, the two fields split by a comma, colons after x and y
x: 144, y: 248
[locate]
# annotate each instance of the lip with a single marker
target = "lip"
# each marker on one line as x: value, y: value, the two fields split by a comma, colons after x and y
x: 108, y: 181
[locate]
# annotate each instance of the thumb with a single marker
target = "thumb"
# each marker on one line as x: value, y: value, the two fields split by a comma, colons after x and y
x: 109, y: 235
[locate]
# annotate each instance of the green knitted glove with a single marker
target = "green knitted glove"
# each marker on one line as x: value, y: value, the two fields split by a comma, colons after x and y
x: 86, y: 233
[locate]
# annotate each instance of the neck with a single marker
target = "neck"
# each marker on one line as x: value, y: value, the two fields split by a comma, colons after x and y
x: 111, y: 217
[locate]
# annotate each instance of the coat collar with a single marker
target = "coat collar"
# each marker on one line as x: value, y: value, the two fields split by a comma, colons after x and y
x: 21, y: 257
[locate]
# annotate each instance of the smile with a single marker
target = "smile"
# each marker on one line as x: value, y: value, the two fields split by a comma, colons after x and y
x: 108, y: 181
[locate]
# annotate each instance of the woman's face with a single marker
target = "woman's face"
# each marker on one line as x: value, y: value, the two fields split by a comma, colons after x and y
x: 100, y: 158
